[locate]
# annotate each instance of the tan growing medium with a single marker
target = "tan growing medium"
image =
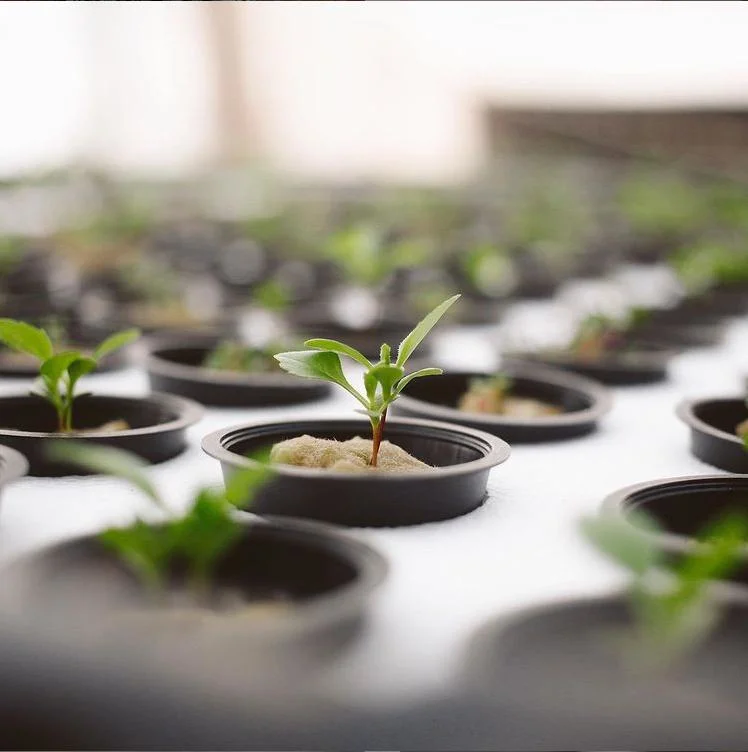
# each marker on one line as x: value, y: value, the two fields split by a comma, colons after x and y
x: 350, y: 456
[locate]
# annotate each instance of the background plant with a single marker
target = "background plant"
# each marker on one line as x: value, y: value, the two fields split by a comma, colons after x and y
x: 672, y: 604
x: 367, y: 256
x: 196, y: 540
x: 59, y: 372
x: 384, y: 380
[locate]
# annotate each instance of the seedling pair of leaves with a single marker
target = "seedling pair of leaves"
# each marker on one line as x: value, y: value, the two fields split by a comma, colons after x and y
x: 59, y: 372
x: 195, y: 541
x: 671, y: 604
x: 384, y: 380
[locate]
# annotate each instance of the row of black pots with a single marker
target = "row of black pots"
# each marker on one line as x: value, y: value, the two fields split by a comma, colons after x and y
x: 176, y: 368
x: 549, y: 672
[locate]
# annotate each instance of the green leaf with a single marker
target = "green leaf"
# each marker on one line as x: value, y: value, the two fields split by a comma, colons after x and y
x: 409, y: 344
x: 25, y: 338
x: 340, y: 348
x: 115, y: 342
x: 53, y: 368
x: 387, y: 376
x: 719, y: 553
x: 417, y: 375
x: 106, y: 461
x: 81, y: 367
x: 243, y: 485
x: 624, y: 543
x: 204, y: 533
x: 317, y: 364
x: 144, y: 548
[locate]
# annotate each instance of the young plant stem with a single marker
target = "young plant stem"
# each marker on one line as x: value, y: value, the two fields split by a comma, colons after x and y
x: 377, y: 433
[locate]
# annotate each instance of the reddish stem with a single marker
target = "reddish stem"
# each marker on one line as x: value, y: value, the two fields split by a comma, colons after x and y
x: 378, y: 432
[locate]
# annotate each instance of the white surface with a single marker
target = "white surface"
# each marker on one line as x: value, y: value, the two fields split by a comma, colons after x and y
x: 522, y: 547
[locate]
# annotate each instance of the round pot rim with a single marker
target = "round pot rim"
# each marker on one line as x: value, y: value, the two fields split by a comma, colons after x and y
x: 496, y: 450
x: 156, y: 363
x: 188, y: 413
x: 602, y: 400
x: 372, y: 568
x: 615, y: 504
x: 14, y: 464
x: 686, y: 412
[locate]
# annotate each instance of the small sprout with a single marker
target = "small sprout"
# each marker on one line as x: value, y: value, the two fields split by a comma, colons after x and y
x: 492, y: 396
x: 671, y: 604
x: 489, y: 268
x: 367, y: 256
x: 197, y: 540
x: 237, y: 357
x: 486, y: 395
x: 59, y: 371
x: 384, y: 381
x: 596, y: 335
x: 271, y: 296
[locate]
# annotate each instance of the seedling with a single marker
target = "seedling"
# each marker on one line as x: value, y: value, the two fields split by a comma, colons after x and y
x: 598, y: 334
x: 489, y: 268
x: 384, y: 381
x: 271, y: 296
x: 671, y: 604
x: 195, y: 541
x: 240, y: 358
x: 59, y: 372
x: 367, y: 257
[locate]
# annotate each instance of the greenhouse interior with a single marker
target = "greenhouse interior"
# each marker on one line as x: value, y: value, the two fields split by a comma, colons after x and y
x: 345, y: 348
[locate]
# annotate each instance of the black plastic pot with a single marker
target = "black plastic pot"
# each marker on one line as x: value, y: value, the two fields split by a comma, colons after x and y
x: 684, y: 508
x: 722, y: 301
x: 583, y: 403
x: 177, y: 369
x: 680, y: 336
x: 158, y: 421
x: 713, y: 439
x: 319, y: 580
x: 553, y: 675
x: 684, y: 325
x: 461, y: 458
x: 642, y: 363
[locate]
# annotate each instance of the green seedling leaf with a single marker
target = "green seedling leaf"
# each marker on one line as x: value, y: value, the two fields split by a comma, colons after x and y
x: 53, y: 368
x: 340, y: 348
x: 25, y: 338
x: 115, y: 342
x: 206, y: 532
x: 719, y: 553
x: 107, y: 461
x: 145, y: 549
x: 80, y: 367
x: 411, y: 342
x: 622, y: 542
x: 242, y: 486
x: 417, y: 375
x: 318, y: 364
x: 387, y: 376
